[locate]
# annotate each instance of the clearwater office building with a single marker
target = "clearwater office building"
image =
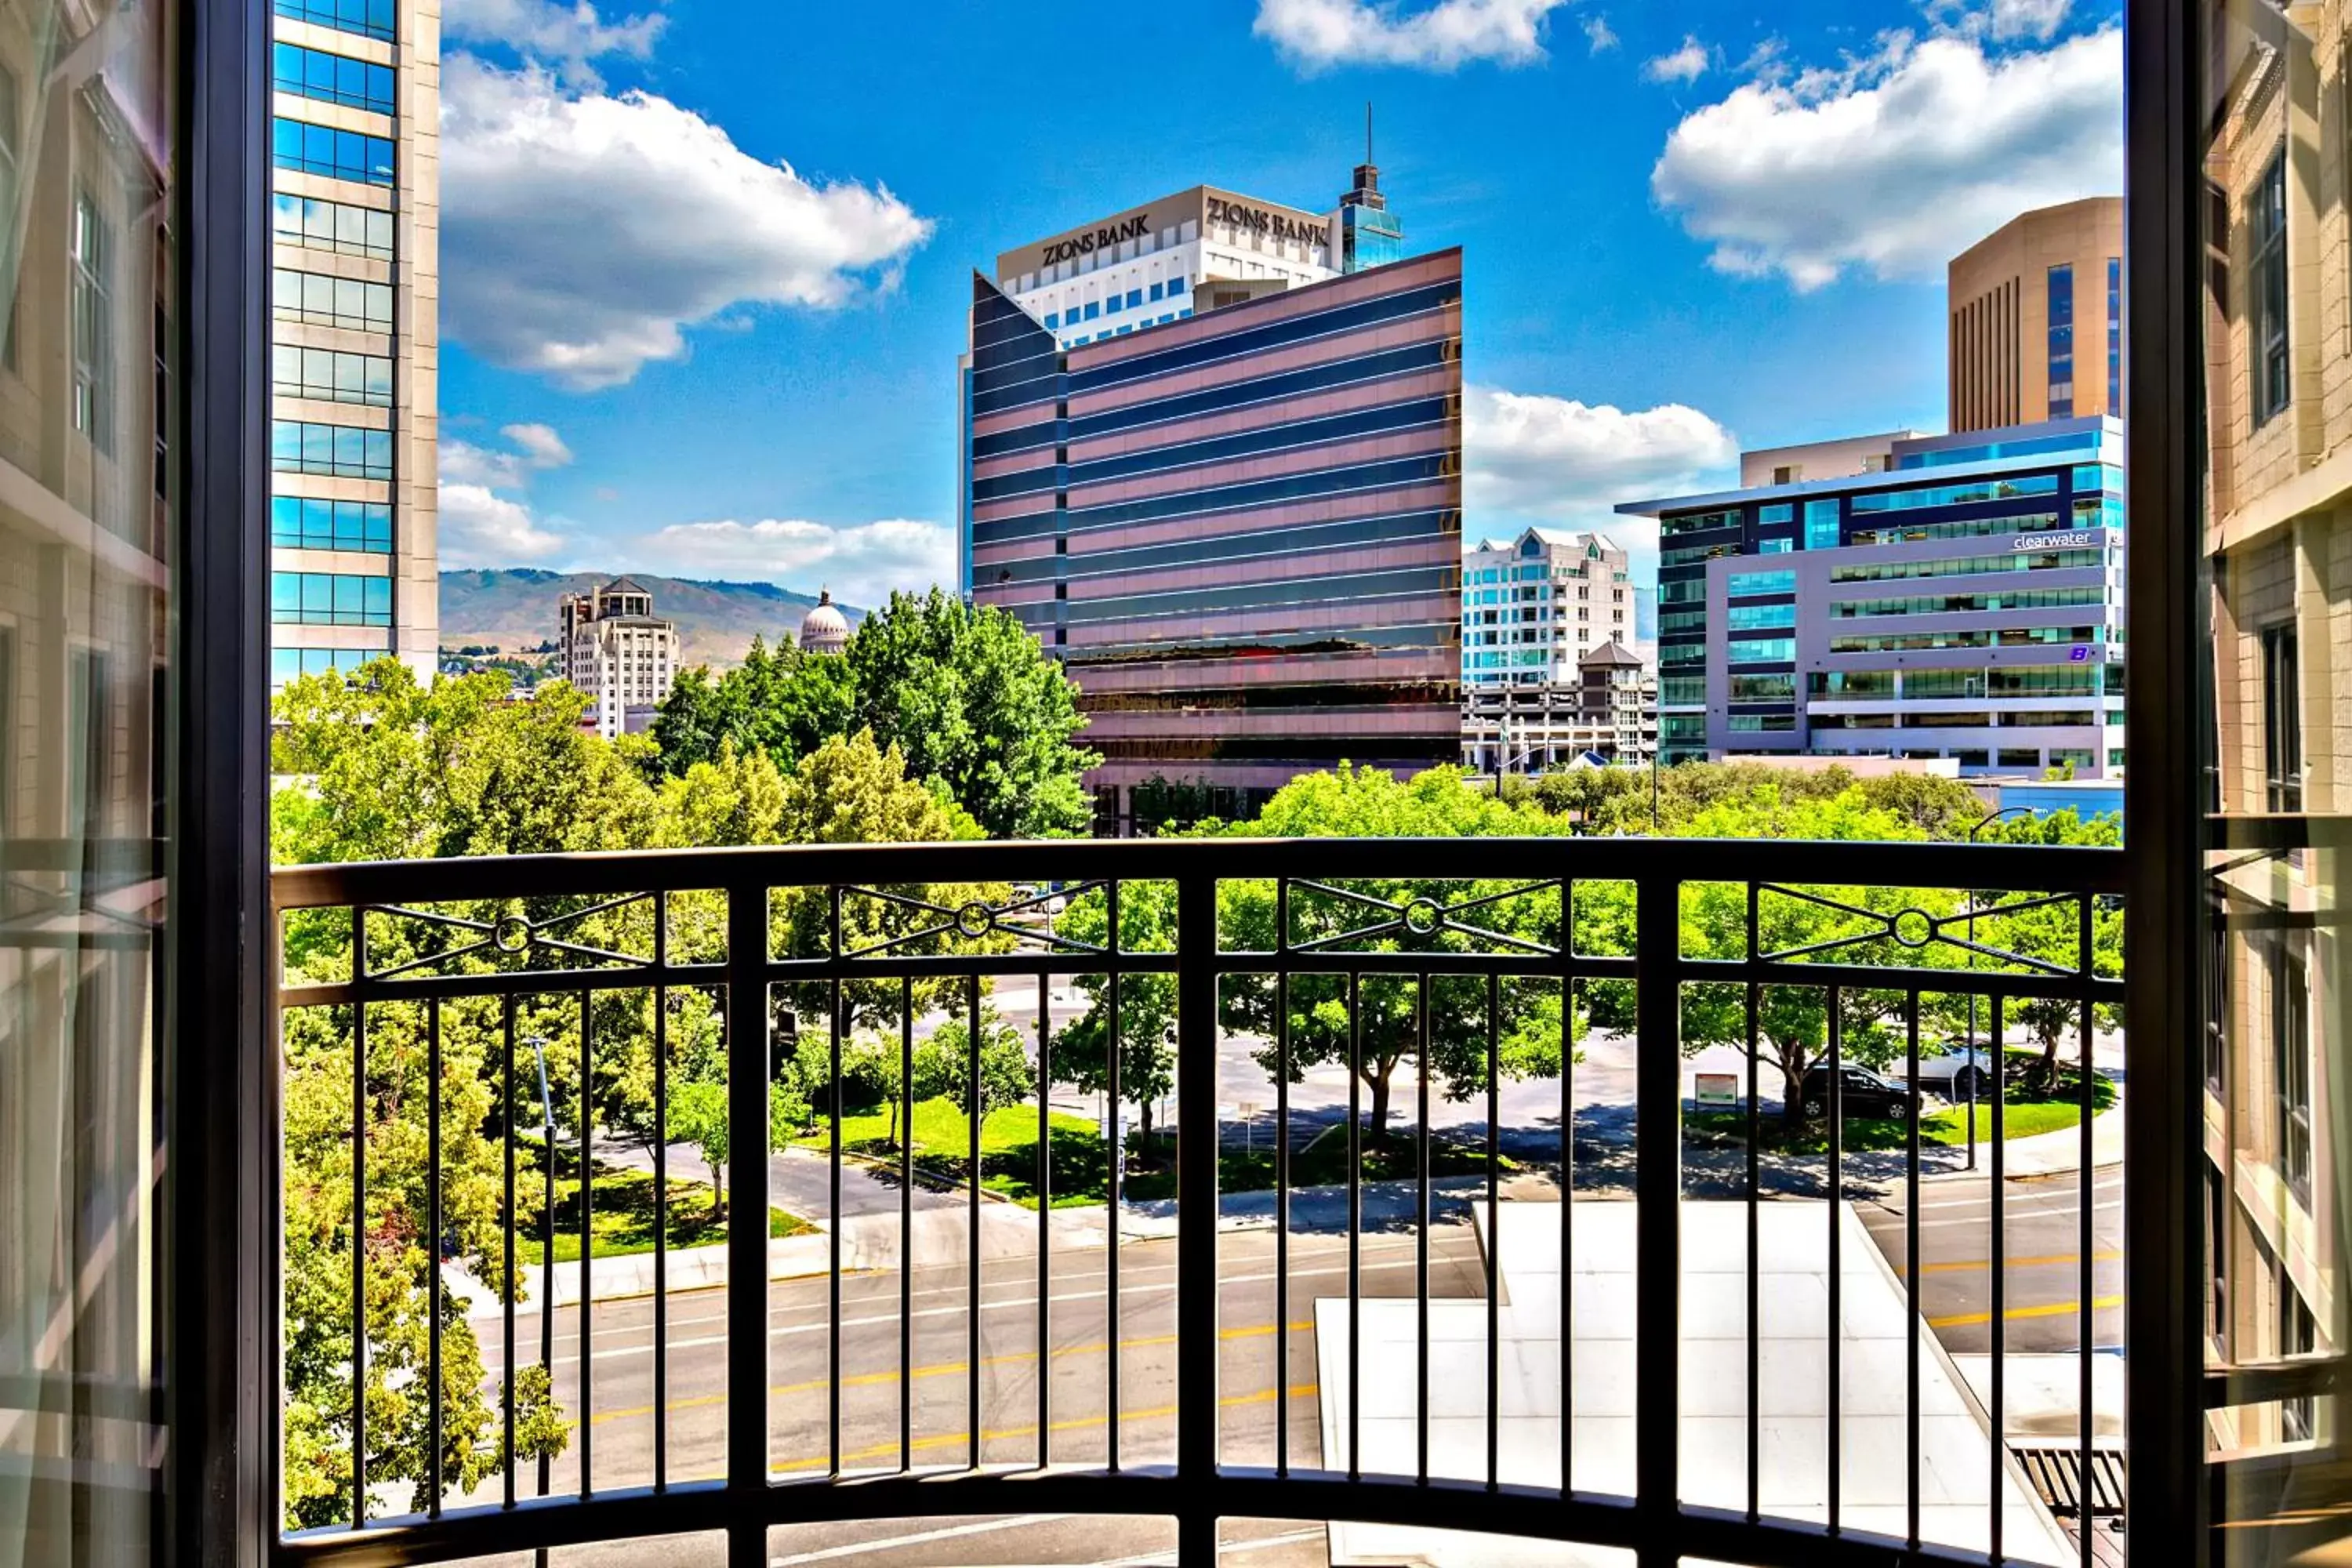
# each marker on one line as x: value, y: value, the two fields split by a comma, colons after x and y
x: 1213, y: 459
x: 1960, y: 596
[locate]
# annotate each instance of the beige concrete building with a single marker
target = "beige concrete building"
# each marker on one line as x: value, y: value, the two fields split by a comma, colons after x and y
x: 2279, y: 543
x: 2036, y: 318
x: 614, y: 647
x: 355, y: 182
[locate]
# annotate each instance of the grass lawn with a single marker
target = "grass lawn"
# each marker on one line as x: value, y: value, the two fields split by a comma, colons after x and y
x: 623, y: 1217
x: 1081, y: 1174
x: 1008, y: 1149
x: 2026, y: 1110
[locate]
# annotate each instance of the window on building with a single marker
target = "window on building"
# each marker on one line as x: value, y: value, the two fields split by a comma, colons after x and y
x: 338, y: 226
x: 331, y: 78
x: 369, y: 18
x: 1053, y: 319
x: 2271, y: 377
x: 2116, y: 336
x: 2291, y: 1064
x: 2217, y: 1270
x: 1821, y: 525
x: 2298, y: 1335
x: 93, y: 313
x: 1094, y: 308
x: 1134, y: 297
x: 2282, y: 717
x: 330, y: 375
x: 337, y: 155
x: 12, y: 120
x: 308, y: 522
x: 322, y: 299
x: 2061, y: 342
x: 329, y: 599
x: 336, y: 451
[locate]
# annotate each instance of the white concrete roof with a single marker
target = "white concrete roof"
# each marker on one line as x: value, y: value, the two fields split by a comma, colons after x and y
x: 1793, y: 1378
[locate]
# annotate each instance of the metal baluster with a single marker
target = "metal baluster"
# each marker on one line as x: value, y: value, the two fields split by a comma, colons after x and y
x: 1837, y: 1358
x: 1197, y: 1346
x: 1658, y: 1224
x: 1569, y: 992
x: 358, y: 1223
x: 661, y: 1206
x: 1282, y: 1185
x: 1911, y: 1277
x: 1494, y: 1236
x: 747, y: 1299
x: 971, y: 1290
x: 906, y: 1225
x: 1118, y: 1154
x: 1755, y: 1250
x: 836, y: 1026
x: 1999, y: 1250
x: 2086, y: 1195
x: 1355, y: 1224
x: 433, y: 1228
x: 1045, y: 1220
x: 509, y: 1218
x: 1421, y: 1229
x: 587, y: 1246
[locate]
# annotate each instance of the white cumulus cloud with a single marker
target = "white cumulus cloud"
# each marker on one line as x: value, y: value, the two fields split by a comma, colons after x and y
x: 2028, y: 18
x: 545, y: 29
x: 481, y: 528
x: 1898, y: 161
x: 1599, y: 34
x: 1687, y: 64
x: 1556, y: 459
x: 1316, y: 33
x: 861, y: 563
x: 584, y: 231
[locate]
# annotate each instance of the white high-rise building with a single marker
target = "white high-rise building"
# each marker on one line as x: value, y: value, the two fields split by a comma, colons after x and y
x: 1532, y: 608
x: 355, y: 200
x: 615, y: 648
x: 1192, y: 251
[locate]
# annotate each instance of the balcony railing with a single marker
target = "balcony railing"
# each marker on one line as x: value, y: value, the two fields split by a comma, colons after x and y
x: 1714, y: 1351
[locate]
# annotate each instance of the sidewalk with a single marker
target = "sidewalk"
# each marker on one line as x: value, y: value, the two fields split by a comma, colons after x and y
x: 941, y: 1238
x: 2056, y: 1153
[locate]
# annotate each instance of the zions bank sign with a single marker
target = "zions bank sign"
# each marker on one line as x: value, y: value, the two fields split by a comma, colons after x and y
x: 1268, y: 222
x: 1095, y: 239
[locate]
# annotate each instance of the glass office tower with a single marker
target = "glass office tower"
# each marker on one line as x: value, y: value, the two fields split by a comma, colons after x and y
x: 1241, y: 531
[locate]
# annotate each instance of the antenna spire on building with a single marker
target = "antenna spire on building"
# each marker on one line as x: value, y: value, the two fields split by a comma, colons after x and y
x: 1367, y: 130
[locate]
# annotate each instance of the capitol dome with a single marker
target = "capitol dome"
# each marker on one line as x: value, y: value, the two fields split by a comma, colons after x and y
x: 823, y: 629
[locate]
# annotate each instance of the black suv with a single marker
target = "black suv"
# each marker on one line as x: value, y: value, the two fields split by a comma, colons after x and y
x: 1862, y: 1092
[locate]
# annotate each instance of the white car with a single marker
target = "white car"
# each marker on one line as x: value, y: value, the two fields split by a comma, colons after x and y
x: 1959, y: 1072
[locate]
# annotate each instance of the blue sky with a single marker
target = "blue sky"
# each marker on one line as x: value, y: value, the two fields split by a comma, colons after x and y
x: 706, y: 263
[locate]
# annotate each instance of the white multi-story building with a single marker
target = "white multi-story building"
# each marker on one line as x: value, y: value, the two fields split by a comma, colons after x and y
x: 1532, y: 608
x: 354, y: 297
x: 615, y: 648
x: 1149, y: 264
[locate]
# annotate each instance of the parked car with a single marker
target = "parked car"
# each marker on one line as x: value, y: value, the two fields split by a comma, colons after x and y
x: 1958, y: 1072
x: 1861, y: 1092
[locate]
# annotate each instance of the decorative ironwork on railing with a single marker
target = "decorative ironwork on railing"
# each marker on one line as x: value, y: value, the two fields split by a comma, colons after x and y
x: 501, y: 1077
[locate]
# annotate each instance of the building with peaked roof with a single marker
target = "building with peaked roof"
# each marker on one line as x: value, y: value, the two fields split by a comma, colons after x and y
x: 1608, y: 711
x: 615, y: 649
x: 1534, y: 605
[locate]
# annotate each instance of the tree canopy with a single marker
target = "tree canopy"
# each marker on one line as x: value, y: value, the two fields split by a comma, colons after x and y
x: 967, y: 694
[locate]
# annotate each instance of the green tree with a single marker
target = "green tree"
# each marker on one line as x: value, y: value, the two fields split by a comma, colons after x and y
x: 967, y: 695
x: 944, y: 1066
x: 1368, y: 803
x: 1792, y: 1021
x: 2052, y: 934
x: 974, y: 701
x: 1078, y: 1053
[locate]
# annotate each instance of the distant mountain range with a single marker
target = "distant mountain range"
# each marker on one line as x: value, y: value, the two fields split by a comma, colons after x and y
x: 513, y: 609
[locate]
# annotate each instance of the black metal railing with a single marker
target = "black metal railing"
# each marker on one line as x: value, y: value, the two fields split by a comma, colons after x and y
x: 1474, y: 962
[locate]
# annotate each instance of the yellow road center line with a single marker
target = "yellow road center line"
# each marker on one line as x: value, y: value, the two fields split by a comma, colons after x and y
x: 939, y: 1369
x: 1978, y: 1265
x: 2053, y: 1309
